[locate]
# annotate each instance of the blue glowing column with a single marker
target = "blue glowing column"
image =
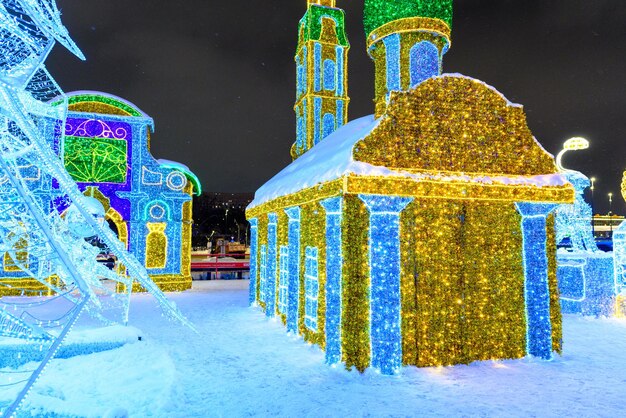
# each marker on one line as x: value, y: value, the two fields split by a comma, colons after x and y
x: 270, y: 291
x: 536, y: 287
x: 384, y: 260
x: 392, y: 50
x: 334, y: 262
x: 254, y: 247
x: 293, y: 286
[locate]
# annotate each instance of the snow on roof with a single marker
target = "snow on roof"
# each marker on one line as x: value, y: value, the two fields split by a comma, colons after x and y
x: 332, y: 159
x: 185, y: 170
x: 329, y: 160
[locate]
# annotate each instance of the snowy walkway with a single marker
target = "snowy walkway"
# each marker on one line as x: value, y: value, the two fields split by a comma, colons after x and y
x: 242, y: 364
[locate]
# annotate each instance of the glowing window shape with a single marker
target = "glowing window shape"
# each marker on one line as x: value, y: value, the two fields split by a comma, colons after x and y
x: 157, y: 211
x: 301, y: 77
x: 283, y: 279
x: 424, y: 62
x: 340, y: 70
x: 96, y: 160
x: 317, y: 58
x: 300, y: 132
x: 263, y: 273
x: 329, y: 75
x: 311, y: 288
x: 328, y: 124
x: 317, y: 116
x: 156, y: 245
x: 176, y: 180
x: 151, y: 178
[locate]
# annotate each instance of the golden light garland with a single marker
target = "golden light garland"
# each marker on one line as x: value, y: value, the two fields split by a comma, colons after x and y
x: 355, y: 318
x: 455, y: 124
x: 312, y: 235
x: 411, y: 25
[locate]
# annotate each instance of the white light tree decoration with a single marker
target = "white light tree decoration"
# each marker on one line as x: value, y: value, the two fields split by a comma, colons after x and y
x: 573, y: 221
x: 585, y: 273
x: 43, y: 223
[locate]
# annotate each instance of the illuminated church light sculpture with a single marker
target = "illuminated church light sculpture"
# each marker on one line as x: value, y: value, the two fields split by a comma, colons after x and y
x: 421, y: 235
x: 107, y: 152
x: 147, y: 202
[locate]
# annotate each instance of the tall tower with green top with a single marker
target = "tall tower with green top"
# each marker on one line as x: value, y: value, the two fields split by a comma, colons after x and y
x: 321, y: 68
x: 407, y: 40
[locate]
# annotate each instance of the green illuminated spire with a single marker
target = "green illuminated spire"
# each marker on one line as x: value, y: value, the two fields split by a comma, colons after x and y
x: 380, y: 12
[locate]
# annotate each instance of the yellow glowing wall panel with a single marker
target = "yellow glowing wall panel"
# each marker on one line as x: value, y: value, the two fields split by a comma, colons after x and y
x: 459, y: 305
x: 185, y: 256
x: 262, y: 242
x: 20, y: 254
x: 313, y: 234
x: 97, y: 107
x: 454, y: 124
x: 405, y: 186
x: 355, y: 312
x: 10, y: 286
x: 156, y: 245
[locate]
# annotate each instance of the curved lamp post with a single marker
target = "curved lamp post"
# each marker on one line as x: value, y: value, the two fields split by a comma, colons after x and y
x: 611, y: 214
x: 573, y: 144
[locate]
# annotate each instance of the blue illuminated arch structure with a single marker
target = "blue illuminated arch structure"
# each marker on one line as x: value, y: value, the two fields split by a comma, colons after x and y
x: 116, y: 135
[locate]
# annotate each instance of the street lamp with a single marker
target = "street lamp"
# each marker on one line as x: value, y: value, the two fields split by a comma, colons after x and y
x: 238, y: 232
x: 573, y: 144
x: 593, y: 229
x: 610, y: 214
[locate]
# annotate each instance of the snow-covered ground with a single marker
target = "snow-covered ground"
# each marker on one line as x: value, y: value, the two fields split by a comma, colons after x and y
x: 242, y: 364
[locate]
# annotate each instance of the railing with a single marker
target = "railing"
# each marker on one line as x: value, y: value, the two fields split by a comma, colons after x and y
x: 216, y: 265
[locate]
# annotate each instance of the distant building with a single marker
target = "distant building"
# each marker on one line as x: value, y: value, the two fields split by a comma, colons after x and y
x: 605, y: 225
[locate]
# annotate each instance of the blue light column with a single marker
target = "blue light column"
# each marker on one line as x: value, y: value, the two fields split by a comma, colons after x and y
x: 536, y: 287
x: 254, y: 247
x: 392, y: 49
x: 270, y: 295
x: 293, y: 287
x: 384, y: 260
x: 334, y: 262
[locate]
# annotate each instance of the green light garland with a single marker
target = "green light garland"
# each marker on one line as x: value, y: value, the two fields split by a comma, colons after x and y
x: 312, y: 24
x: 92, y: 160
x: 379, y: 12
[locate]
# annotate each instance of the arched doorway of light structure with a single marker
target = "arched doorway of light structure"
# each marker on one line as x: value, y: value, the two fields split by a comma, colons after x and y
x: 115, y: 219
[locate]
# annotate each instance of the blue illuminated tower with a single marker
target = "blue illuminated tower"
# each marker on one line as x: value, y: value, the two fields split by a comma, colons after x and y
x: 407, y: 40
x: 321, y: 62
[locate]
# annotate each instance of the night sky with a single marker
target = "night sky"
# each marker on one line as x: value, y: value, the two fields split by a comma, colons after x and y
x: 219, y: 78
